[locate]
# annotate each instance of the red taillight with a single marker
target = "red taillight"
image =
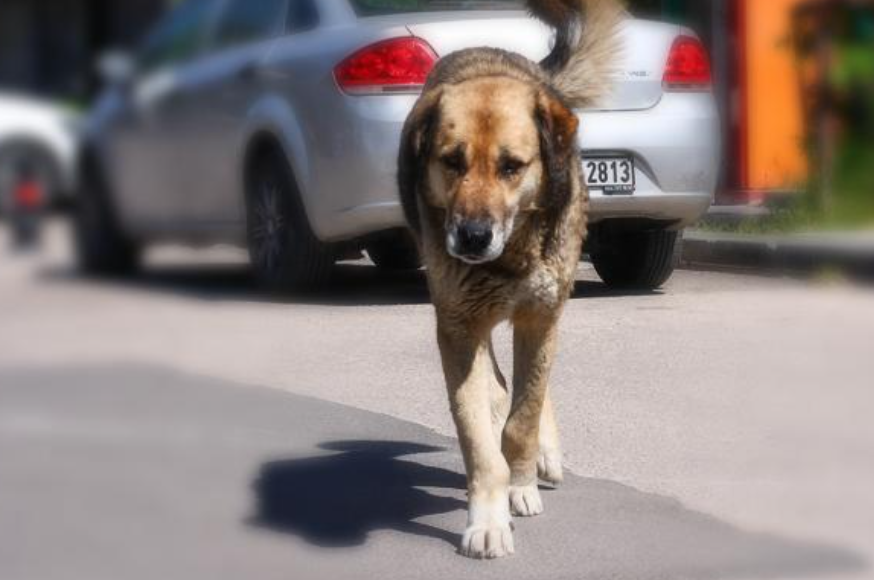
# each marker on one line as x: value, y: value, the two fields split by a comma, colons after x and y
x: 688, y: 65
x: 28, y: 195
x: 396, y: 65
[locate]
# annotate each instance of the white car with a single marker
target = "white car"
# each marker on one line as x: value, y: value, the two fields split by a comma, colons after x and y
x: 276, y: 124
x: 37, y: 139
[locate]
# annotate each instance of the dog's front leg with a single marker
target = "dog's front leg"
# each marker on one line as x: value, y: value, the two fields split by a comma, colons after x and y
x: 534, y: 343
x: 467, y: 364
x: 500, y: 397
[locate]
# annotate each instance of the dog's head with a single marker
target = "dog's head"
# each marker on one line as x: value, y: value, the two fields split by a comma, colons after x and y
x: 486, y: 151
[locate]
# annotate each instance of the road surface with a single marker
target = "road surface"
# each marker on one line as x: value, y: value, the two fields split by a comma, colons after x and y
x: 183, y: 425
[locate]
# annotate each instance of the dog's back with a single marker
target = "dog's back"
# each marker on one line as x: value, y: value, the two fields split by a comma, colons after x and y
x: 579, y: 67
x: 583, y: 60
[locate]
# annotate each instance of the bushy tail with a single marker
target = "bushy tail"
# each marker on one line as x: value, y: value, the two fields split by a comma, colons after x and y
x: 587, y: 49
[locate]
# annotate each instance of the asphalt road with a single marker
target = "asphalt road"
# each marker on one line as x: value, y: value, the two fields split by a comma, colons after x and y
x: 183, y: 425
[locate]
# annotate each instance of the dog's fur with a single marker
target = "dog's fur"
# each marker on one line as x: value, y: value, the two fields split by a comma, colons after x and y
x: 492, y: 145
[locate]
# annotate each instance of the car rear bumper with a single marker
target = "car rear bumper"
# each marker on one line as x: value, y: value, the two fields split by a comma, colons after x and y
x: 676, y: 210
x: 676, y: 149
x: 352, y: 191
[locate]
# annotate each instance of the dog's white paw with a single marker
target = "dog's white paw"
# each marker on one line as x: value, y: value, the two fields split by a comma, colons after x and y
x: 487, y: 543
x: 489, y: 532
x: 525, y: 501
x: 549, y: 467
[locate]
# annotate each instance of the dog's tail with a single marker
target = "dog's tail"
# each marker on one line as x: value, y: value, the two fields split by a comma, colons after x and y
x: 587, y: 47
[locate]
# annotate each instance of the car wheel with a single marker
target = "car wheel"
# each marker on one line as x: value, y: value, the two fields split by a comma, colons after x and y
x: 285, y: 253
x: 102, y: 248
x: 636, y: 260
x: 395, y: 252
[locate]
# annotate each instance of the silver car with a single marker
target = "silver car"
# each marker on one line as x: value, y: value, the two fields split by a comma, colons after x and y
x: 276, y: 123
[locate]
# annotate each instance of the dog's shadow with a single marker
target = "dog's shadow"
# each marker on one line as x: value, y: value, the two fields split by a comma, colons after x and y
x: 336, y: 500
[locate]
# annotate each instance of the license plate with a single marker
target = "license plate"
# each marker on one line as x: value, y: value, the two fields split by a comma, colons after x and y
x: 611, y: 175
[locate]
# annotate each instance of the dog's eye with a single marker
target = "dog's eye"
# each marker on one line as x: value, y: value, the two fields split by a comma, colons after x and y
x: 510, y: 168
x: 454, y: 162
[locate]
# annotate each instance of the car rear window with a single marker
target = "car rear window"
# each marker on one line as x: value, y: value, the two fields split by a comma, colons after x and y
x: 383, y: 7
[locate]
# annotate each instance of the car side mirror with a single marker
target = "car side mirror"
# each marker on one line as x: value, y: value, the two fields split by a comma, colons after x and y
x: 117, y: 68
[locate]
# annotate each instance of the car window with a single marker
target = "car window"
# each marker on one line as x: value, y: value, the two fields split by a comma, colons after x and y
x: 382, y: 7
x: 245, y: 21
x: 180, y: 36
x: 302, y: 15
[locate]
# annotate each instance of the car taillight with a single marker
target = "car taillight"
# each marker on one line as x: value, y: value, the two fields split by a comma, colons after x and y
x: 688, y: 65
x: 390, y: 66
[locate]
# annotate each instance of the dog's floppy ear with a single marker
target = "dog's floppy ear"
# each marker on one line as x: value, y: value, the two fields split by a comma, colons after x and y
x: 557, y: 126
x: 416, y: 147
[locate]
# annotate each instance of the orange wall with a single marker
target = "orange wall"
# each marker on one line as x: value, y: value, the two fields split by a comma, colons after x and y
x: 775, y: 155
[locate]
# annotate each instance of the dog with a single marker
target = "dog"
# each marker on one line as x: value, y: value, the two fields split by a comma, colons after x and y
x: 490, y: 183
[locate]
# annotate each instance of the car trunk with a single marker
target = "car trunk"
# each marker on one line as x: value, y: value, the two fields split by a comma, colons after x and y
x: 639, y: 79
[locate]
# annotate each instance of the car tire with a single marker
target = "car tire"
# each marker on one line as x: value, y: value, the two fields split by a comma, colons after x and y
x: 102, y: 247
x: 286, y: 255
x: 395, y: 252
x: 636, y: 260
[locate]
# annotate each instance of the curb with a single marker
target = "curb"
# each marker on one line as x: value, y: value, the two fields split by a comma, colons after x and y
x: 851, y: 254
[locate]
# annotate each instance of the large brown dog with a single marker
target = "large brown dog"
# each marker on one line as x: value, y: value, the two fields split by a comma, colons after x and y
x: 489, y: 176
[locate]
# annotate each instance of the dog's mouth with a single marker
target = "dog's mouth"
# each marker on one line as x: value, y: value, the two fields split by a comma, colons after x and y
x: 475, y: 260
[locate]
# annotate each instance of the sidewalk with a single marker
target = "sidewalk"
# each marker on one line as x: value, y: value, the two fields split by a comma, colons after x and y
x: 851, y: 253
x: 141, y: 472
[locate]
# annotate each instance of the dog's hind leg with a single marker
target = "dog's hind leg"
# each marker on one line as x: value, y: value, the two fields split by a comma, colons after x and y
x: 549, y: 467
x: 468, y: 366
x: 534, y: 344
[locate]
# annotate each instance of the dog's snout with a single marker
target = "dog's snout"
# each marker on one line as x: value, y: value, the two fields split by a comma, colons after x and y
x: 475, y: 237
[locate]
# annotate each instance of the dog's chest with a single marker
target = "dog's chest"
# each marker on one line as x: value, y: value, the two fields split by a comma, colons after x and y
x: 542, y: 286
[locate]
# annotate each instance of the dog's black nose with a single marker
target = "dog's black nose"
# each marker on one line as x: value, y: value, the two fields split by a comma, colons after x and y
x: 474, y: 237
